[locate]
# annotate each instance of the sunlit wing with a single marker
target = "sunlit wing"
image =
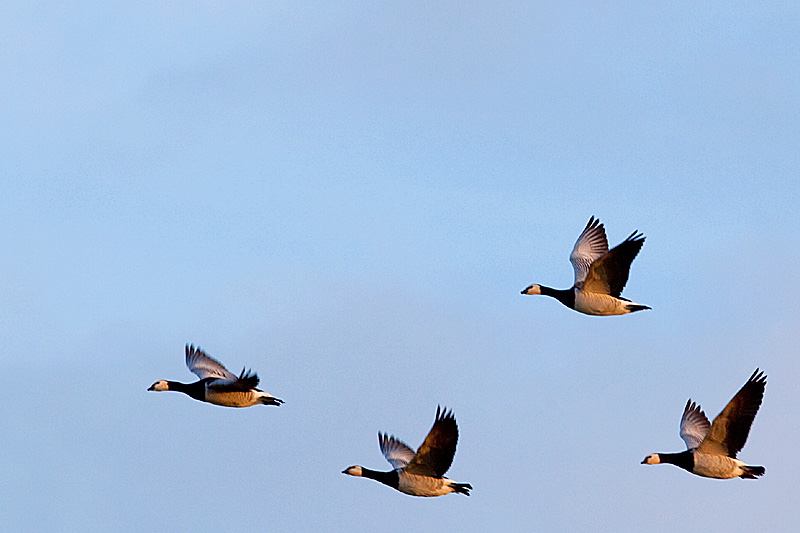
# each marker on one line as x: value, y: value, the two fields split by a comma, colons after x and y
x: 694, y: 425
x: 205, y: 366
x: 591, y: 245
x: 396, y: 452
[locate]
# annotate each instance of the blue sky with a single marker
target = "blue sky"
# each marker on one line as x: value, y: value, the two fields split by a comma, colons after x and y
x: 349, y: 199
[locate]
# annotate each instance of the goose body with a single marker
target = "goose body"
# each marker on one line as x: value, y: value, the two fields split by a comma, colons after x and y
x: 217, y: 385
x: 712, y: 448
x: 419, y: 473
x: 600, y: 274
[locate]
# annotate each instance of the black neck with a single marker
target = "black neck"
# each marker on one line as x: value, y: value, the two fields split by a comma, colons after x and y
x: 387, y: 478
x: 196, y: 390
x: 566, y: 297
x: 683, y: 460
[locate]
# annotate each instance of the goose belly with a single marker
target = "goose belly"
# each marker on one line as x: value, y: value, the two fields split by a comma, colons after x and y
x: 424, y: 486
x: 717, y: 466
x: 231, y: 398
x: 592, y: 303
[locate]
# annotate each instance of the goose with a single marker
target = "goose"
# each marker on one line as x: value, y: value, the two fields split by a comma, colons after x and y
x: 600, y: 274
x: 711, y: 448
x: 217, y: 385
x: 420, y: 473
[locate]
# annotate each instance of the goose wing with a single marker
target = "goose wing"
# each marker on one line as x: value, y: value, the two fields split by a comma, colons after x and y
x: 246, y: 381
x: 435, y: 455
x: 694, y: 425
x: 206, y: 366
x: 396, y: 452
x: 730, y: 429
x: 609, y: 274
x: 591, y: 245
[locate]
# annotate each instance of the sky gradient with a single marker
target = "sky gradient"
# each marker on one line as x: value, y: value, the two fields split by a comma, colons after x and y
x: 349, y: 199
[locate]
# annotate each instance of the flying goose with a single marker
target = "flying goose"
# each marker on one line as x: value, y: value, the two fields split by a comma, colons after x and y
x: 420, y: 473
x: 600, y: 274
x: 712, y: 448
x: 217, y: 385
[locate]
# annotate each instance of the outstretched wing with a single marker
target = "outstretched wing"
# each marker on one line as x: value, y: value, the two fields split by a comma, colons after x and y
x: 206, y: 366
x: 609, y: 274
x: 694, y: 425
x: 396, y: 452
x: 435, y: 455
x: 730, y: 429
x: 591, y: 245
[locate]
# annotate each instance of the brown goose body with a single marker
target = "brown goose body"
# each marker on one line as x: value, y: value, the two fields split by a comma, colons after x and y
x: 712, y: 448
x: 217, y: 385
x: 419, y: 473
x: 600, y: 274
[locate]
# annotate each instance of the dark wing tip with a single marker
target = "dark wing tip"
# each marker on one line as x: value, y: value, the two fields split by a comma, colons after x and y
x: 385, y: 437
x: 594, y: 223
x: 190, y: 349
x: 693, y: 407
x: 758, y: 377
x: 246, y: 381
x: 444, y: 415
x: 248, y: 374
x: 636, y: 236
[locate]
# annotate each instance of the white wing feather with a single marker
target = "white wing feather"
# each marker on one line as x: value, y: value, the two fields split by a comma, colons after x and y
x: 206, y: 366
x: 396, y: 452
x: 694, y: 425
x: 591, y: 245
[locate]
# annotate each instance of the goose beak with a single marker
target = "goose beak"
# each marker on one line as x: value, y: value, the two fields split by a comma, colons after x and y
x: 151, y: 387
x: 644, y: 461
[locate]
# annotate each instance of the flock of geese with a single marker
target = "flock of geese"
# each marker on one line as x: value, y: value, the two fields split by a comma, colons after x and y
x: 600, y: 277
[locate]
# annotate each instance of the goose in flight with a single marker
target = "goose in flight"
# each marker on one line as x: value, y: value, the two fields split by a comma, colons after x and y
x: 712, y: 448
x: 420, y: 473
x: 600, y: 274
x: 217, y: 385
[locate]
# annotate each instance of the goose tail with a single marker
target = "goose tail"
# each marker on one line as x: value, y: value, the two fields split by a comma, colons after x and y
x: 270, y: 400
x: 461, y: 488
x: 752, y: 472
x: 636, y: 307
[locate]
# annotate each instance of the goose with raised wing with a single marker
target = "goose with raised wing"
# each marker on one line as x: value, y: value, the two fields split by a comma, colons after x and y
x: 420, y: 473
x: 600, y: 274
x: 711, y: 449
x: 217, y: 385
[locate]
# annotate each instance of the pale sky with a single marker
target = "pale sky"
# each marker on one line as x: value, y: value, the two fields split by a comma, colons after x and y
x: 349, y: 199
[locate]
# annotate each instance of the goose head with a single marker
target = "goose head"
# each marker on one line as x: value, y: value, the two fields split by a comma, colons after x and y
x: 353, y: 471
x: 533, y: 289
x: 652, y: 459
x: 160, y: 385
